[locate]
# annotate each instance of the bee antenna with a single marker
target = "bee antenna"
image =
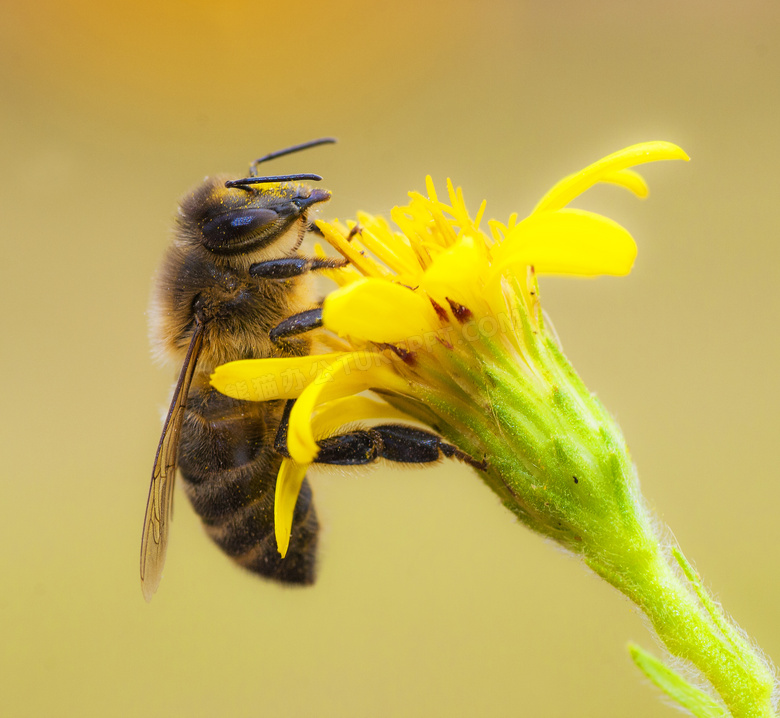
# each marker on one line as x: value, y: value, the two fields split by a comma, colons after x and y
x: 289, y: 151
x: 246, y: 181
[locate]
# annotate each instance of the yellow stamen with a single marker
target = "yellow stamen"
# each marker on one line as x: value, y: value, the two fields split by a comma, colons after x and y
x: 337, y: 237
x: 375, y: 235
x: 415, y: 230
x: 341, y: 276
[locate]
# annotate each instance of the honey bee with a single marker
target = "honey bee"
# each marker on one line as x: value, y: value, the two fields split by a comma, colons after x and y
x: 233, y: 286
x: 231, y: 275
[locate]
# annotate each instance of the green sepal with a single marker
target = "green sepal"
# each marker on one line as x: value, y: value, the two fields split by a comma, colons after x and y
x: 675, y: 686
x: 712, y: 608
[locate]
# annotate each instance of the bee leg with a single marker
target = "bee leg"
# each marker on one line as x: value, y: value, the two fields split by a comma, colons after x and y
x: 297, y: 324
x: 393, y: 442
x: 280, y: 442
x: 293, y: 267
x: 314, y: 229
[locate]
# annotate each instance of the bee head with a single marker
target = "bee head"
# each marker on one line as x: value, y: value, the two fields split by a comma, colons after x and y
x: 240, y: 216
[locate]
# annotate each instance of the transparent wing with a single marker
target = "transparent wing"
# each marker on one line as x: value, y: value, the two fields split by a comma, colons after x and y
x: 154, y: 542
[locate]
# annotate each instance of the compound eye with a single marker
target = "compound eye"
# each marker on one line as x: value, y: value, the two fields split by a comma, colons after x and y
x: 231, y: 231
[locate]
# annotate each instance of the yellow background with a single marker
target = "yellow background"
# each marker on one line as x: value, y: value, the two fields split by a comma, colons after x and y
x: 431, y: 600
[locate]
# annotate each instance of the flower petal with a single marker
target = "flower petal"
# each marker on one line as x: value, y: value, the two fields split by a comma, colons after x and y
x: 378, y: 311
x: 349, y: 375
x: 630, y: 180
x: 327, y: 420
x: 266, y: 379
x: 574, y: 185
x: 288, y: 486
x: 336, y: 382
x: 454, y: 271
x: 569, y: 241
x: 335, y: 414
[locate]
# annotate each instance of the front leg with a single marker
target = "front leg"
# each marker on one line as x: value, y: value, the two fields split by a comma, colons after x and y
x: 289, y: 267
x: 297, y: 324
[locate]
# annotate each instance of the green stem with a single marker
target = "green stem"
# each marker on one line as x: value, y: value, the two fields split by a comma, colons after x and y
x: 682, y: 622
x: 560, y: 463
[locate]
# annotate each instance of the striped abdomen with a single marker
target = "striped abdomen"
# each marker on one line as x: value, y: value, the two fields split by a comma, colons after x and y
x: 229, y: 467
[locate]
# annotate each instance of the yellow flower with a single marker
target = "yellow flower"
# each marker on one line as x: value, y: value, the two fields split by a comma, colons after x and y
x: 441, y: 320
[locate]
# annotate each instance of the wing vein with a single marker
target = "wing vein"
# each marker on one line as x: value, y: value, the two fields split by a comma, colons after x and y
x: 159, y: 504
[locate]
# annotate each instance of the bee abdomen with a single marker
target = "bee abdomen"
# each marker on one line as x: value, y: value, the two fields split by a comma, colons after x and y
x: 229, y: 468
x: 249, y: 539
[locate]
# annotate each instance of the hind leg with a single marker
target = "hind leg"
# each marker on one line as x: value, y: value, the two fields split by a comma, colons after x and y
x: 394, y: 442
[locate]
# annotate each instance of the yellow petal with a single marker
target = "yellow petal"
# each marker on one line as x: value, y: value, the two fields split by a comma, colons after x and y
x: 349, y: 375
x: 570, y: 241
x: 632, y: 181
x: 327, y: 420
x: 266, y: 379
x: 339, y: 412
x: 378, y: 311
x: 336, y: 382
x: 288, y: 486
x: 454, y: 272
x: 574, y: 185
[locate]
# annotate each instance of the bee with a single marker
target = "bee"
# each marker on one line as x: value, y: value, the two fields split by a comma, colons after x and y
x: 234, y: 286
x: 231, y: 275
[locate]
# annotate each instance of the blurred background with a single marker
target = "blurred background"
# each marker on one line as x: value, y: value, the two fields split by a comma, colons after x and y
x: 431, y: 600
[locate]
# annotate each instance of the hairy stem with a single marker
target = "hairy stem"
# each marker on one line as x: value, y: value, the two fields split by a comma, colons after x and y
x: 687, y: 629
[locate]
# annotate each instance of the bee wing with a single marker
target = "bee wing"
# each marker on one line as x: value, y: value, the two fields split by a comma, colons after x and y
x: 159, y: 505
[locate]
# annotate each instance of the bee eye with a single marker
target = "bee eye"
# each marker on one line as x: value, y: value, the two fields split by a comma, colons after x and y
x: 229, y: 231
